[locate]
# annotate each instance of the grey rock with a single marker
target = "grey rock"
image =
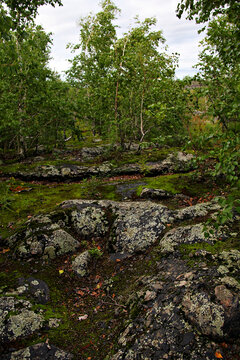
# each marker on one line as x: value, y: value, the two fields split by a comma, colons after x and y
x: 17, y: 319
x: 46, y: 245
x: 182, y: 235
x: 178, y: 162
x: 203, y: 313
x: 197, y: 210
x: 89, y: 219
x: 155, y: 194
x: 138, y: 225
x: 80, y: 264
x: 35, y: 288
x: 135, y: 225
x: 231, y: 259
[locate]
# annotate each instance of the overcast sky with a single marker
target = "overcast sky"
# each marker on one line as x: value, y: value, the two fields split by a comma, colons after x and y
x: 181, y: 35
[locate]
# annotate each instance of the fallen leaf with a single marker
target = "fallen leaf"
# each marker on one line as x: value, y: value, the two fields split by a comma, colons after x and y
x: 4, y: 251
x: 99, y: 285
x: 118, y: 260
x: 218, y: 355
x: 80, y: 292
x: 61, y: 271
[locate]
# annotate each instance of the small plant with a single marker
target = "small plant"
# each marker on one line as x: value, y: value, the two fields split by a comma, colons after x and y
x: 6, y: 196
x: 95, y: 252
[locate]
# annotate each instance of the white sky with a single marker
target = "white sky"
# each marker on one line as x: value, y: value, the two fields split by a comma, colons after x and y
x: 181, y: 35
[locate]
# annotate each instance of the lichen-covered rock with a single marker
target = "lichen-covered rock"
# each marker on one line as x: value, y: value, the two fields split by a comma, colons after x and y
x: 230, y: 282
x: 182, y: 235
x: 35, y: 288
x: 134, y: 225
x: 179, y: 321
x: 162, y: 334
x: 179, y: 162
x: 138, y: 225
x: 17, y: 319
x: 42, y: 351
x: 231, y: 259
x: 197, y: 210
x: 46, y: 245
x: 155, y: 194
x: 90, y: 220
x: 204, y: 314
x: 80, y: 264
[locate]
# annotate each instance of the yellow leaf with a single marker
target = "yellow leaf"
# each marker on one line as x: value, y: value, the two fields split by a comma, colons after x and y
x: 61, y: 271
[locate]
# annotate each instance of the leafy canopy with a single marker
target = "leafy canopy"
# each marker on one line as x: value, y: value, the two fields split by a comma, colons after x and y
x: 204, y: 10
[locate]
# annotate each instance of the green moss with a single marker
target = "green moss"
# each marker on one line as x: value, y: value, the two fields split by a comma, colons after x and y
x: 119, y: 158
x: 43, y: 198
x: 233, y: 242
x: 178, y: 183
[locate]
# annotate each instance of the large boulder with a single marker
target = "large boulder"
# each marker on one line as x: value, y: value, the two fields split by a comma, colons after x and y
x: 133, y: 226
x: 138, y: 225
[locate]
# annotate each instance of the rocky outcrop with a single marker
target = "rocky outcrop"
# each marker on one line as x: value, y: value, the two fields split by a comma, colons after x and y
x: 126, y: 220
x: 128, y: 227
x: 180, y: 312
x: 179, y: 162
x: 183, y: 311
